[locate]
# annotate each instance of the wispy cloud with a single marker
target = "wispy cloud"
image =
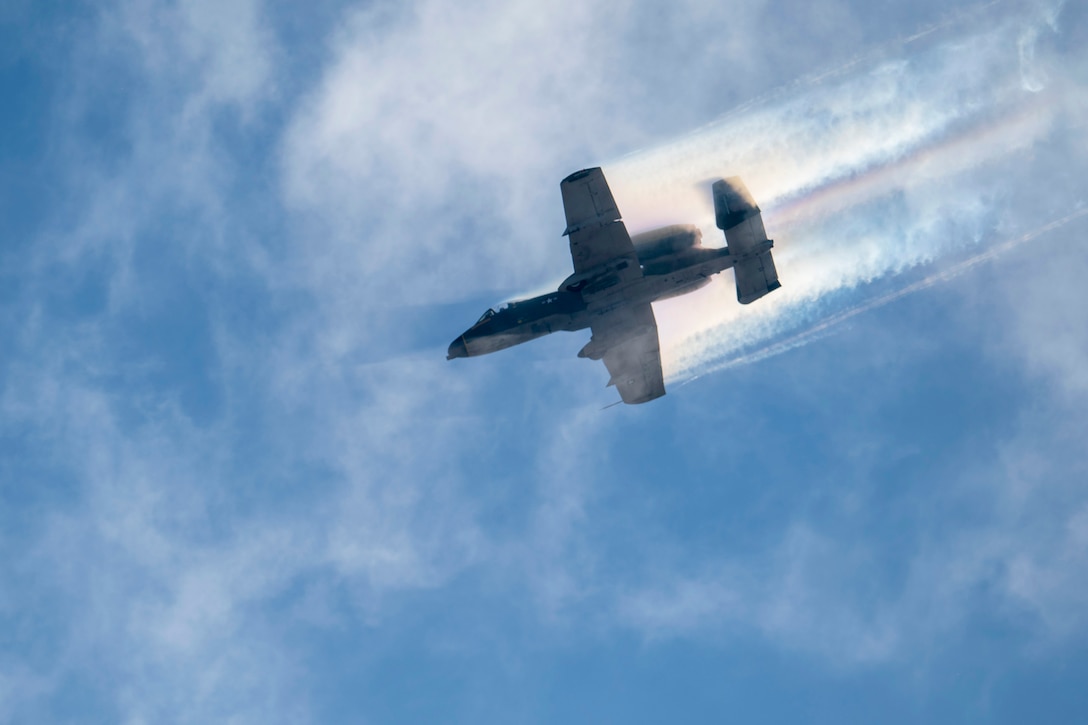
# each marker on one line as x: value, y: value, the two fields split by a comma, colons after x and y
x: 946, y: 273
x: 179, y: 557
x: 875, y: 170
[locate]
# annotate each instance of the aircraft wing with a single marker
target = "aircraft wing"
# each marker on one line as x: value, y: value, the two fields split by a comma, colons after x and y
x: 596, y: 233
x: 626, y: 339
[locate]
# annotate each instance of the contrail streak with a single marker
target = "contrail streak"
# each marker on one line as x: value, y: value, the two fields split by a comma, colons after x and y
x: 897, y: 159
x: 802, y: 338
x: 816, y: 78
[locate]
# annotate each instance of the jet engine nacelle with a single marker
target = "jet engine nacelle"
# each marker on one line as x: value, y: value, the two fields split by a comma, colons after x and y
x: 666, y: 241
x: 596, y: 280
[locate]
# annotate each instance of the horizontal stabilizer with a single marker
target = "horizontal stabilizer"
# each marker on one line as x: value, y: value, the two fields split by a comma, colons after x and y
x: 739, y: 217
x: 755, y: 276
x: 732, y: 203
x: 736, y: 214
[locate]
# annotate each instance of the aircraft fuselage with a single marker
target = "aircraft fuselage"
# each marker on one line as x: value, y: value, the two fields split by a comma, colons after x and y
x: 671, y: 262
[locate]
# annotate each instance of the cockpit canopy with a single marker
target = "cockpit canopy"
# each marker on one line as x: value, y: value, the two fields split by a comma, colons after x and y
x: 492, y: 312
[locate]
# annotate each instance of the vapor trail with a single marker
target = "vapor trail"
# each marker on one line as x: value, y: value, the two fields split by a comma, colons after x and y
x: 883, y: 165
x: 812, y: 333
x: 871, y: 56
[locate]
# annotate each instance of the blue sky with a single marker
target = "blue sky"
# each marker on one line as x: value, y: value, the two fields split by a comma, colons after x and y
x: 239, y: 481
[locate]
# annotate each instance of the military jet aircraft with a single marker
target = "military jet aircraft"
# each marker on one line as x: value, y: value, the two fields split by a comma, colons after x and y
x: 617, y: 277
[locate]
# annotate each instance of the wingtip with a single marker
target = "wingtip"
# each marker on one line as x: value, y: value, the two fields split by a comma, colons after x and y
x: 583, y: 173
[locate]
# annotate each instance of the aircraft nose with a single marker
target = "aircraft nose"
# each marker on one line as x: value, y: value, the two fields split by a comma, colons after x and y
x: 457, y: 349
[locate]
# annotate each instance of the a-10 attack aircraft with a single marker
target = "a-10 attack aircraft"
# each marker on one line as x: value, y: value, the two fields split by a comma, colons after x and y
x: 617, y: 276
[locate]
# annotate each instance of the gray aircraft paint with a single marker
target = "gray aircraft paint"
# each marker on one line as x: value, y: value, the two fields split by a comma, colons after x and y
x: 617, y: 277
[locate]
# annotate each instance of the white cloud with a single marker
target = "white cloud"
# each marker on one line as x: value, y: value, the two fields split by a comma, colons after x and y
x: 437, y: 136
x: 1046, y: 311
x: 805, y: 593
x: 220, y: 53
x: 421, y: 152
x: 817, y: 588
x: 860, y: 177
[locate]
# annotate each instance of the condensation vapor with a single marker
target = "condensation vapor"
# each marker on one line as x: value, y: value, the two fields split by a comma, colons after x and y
x: 944, y: 274
x: 863, y: 173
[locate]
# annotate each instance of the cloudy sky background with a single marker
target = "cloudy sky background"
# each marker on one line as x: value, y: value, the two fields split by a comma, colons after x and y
x: 239, y: 480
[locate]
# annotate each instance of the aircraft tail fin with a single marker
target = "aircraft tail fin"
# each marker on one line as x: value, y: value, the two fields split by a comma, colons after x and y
x: 737, y: 214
